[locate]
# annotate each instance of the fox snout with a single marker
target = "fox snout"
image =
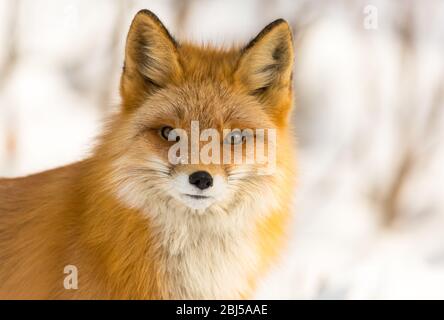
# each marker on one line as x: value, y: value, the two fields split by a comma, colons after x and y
x: 198, y: 187
x: 201, y: 179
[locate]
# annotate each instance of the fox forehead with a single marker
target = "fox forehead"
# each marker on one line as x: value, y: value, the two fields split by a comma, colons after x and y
x: 213, y: 104
x: 206, y: 62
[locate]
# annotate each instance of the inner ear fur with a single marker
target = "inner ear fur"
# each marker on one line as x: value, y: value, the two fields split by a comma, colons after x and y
x: 266, y: 63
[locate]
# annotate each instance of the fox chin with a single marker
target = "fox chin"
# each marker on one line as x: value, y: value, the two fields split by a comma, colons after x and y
x: 128, y: 223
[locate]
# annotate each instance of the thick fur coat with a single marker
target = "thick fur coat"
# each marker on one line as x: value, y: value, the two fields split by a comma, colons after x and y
x: 117, y: 216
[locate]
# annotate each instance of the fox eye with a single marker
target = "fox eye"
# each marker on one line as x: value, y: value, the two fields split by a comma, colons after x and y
x: 234, y: 137
x: 166, y: 131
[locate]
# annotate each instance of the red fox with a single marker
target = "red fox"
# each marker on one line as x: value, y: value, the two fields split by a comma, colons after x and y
x: 131, y: 224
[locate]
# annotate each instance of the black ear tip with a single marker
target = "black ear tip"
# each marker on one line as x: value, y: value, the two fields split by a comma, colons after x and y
x: 274, y: 24
x: 265, y: 31
x: 278, y: 22
x: 149, y: 14
x: 153, y: 19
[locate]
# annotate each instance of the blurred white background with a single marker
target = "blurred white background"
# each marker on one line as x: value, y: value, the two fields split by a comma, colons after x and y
x: 369, y: 208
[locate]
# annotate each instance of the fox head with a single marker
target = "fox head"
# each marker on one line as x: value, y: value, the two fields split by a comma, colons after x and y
x: 168, y: 85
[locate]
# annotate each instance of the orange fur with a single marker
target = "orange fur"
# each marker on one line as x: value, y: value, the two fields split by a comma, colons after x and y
x: 109, y: 215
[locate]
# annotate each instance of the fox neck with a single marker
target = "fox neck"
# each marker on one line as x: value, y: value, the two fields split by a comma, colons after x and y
x: 200, y: 252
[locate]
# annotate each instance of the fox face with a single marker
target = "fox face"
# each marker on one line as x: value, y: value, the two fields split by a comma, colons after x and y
x: 179, y: 100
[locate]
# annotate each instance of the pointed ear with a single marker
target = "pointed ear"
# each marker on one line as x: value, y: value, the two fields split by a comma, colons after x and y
x: 265, y: 66
x: 151, y: 58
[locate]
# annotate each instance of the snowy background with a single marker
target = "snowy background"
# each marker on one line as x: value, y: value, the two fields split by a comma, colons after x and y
x: 369, y: 116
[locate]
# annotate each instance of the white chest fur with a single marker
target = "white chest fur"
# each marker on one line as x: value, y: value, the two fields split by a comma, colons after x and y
x: 207, y: 256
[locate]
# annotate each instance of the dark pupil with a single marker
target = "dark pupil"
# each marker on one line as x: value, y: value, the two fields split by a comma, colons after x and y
x: 166, y: 131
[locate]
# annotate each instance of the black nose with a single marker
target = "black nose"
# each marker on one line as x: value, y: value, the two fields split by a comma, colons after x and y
x: 201, y: 179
